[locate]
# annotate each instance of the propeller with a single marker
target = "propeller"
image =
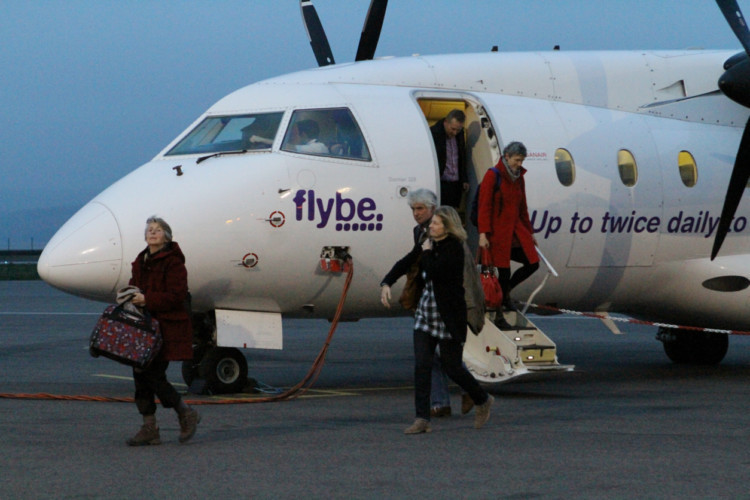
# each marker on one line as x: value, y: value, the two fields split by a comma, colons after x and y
x: 368, y: 41
x: 316, y: 34
x: 735, y: 84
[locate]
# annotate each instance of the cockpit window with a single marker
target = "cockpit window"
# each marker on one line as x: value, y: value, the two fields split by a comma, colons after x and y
x: 218, y: 134
x: 326, y: 132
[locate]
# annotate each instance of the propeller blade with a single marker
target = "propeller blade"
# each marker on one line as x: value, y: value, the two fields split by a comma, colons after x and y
x: 316, y: 34
x: 736, y: 21
x: 737, y: 184
x: 368, y: 41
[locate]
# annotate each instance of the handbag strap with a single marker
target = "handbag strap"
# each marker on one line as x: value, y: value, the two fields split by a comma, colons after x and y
x: 145, y: 316
x: 485, y: 257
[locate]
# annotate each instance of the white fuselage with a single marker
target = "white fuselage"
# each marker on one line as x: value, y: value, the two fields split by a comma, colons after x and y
x: 640, y: 249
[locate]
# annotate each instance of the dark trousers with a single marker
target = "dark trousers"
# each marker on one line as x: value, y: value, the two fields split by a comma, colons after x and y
x: 508, y: 283
x: 152, y: 381
x: 451, y: 193
x: 451, y: 353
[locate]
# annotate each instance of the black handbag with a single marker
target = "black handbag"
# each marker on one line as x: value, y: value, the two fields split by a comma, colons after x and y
x: 126, y: 337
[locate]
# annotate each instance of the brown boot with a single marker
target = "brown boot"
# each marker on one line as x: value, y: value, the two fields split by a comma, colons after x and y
x: 419, y: 426
x: 482, y: 415
x: 189, y: 420
x: 148, y: 434
x: 440, y: 411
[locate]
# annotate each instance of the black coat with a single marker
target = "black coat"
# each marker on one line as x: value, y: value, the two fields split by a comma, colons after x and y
x: 444, y: 266
x: 438, y: 135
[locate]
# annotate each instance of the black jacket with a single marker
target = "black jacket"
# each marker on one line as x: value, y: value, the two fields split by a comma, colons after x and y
x: 444, y: 266
x: 438, y: 135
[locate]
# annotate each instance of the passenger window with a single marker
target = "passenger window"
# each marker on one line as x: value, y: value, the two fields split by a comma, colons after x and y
x: 326, y: 132
x: 219, y: 134
x: 688, y: 169
x: 628, y: 168
x: 565, y: 167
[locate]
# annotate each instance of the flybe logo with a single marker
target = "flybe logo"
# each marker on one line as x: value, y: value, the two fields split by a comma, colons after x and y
x: 346, y: 213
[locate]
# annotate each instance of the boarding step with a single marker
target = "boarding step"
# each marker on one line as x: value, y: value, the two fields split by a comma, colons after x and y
x: 520, y: 348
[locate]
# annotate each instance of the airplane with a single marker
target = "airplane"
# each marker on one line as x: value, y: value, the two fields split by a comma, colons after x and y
x: 629, y: 157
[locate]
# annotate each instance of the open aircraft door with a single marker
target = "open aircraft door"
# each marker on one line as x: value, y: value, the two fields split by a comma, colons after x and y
x: 483, y: 148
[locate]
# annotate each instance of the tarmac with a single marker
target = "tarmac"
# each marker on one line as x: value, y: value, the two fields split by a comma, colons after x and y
x: 627, y: 423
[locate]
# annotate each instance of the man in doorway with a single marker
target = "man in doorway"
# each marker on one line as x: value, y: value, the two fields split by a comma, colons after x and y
x: 450, y: 146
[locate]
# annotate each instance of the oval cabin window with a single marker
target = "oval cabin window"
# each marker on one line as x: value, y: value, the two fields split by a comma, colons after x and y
x: 688, y: 169
x: 565, y: 167
x: 628, y: 168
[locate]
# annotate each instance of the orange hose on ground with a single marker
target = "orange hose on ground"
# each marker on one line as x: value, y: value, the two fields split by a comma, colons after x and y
x: 293, y: 392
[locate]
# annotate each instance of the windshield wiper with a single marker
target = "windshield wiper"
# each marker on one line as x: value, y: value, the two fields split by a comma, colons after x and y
x: 213, y: 155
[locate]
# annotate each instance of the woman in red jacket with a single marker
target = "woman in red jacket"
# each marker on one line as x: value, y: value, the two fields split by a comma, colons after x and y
x: 503, y: 220
x: 159, y: 272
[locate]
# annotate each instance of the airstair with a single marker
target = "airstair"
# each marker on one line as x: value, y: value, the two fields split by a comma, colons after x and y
x: 498, y: 355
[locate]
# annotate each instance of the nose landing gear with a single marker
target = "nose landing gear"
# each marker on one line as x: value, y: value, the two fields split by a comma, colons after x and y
x: 213, y: 369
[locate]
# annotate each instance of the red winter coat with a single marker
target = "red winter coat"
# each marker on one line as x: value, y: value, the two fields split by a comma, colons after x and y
x: 163, y: 280
x: 504, y: 216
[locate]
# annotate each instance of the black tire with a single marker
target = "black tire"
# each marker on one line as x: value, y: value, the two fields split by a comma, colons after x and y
x: 189, y: 372
x: 697, y: 348
x: 224, y: 369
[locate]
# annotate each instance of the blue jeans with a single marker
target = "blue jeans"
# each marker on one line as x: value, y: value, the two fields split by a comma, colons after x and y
x: 439, y: 394
x: 450, y: 357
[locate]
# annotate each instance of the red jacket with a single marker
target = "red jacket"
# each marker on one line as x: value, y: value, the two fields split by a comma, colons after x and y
x: 504, y: 216
x: 163, y: 280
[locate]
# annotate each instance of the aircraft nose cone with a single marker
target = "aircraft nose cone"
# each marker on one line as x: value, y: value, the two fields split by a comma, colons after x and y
x: 85, y: 256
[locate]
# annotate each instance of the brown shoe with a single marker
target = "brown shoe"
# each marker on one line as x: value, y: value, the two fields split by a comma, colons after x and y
x: 440, y: 411
x: 149, y: 434
x: 188, y: 423
x: 483, y: 412
x: 419, y: 426
x: 466, y: 403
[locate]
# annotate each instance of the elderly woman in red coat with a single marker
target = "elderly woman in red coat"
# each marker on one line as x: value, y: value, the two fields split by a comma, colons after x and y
x: 159, y: 272
x: 503, y: 220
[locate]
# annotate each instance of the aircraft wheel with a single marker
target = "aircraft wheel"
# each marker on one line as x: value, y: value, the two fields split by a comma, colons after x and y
x: 696, y: 348
x: 224, y: 369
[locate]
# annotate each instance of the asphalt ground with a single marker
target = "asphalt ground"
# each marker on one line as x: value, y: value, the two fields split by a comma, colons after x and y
x: 626, y: 424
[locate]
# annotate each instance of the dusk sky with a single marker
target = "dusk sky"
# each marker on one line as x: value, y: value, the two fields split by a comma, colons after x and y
x: 90, y: 90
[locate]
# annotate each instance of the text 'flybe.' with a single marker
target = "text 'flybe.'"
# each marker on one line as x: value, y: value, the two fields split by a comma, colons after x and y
x: 348, y: 214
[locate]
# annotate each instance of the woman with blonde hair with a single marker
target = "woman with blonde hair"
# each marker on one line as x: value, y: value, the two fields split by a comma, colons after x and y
x: 440, y: 319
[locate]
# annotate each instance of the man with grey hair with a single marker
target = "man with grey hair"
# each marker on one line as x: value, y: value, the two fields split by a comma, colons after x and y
x: 423, y: 203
